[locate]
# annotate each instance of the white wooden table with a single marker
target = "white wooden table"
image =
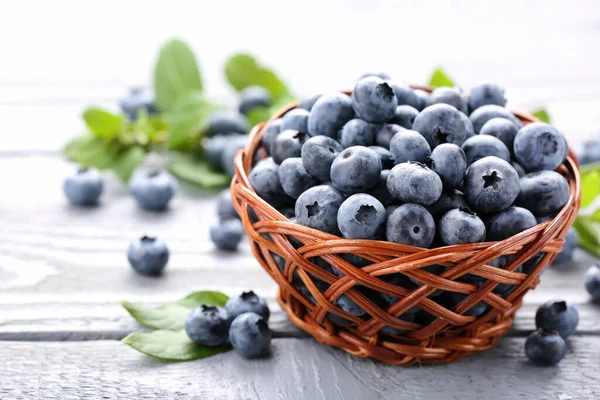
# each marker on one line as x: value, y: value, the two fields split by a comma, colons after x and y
x: 63, y: 270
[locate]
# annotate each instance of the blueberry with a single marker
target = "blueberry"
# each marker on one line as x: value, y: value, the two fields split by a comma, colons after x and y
x: 413, y: 182
x: 480, y: 146
x: 508, y: 223
x: 329, y: 114
x: 449, y: 200
x: 590, y: 151
x: 247, y: 302
x: 227, y: 235
x: 264, y: 178
x: 357, y: 132
x: 250, y: 335
x: 227, y: 122
x: 225, y: 209
x: 308, y: 102
x: 411, y: 224
x: 234, y: 144
x: 484, y: 113
x: 441, y: 123
x: 387, y: 159
x: 501, y: 128
x: 409, y: 145
x: 213, y: 149
x: 532, y: 263
x: 545, y: 348
x: 296, y: 120
x: 491, y: 185
x: 254, y: 97
x: 347, y: 304
x: 138, y: 99
x: 85, y: 187
x: 571, y: 243
x: 318, y: 207
x: 384, y: 137
x: 520, y: 171
x: 449, y: 162
x: 592, y: 282
x: 432, y: 269
x: 208, y: 325
x: 503, y: 289
x: 381, y: 192
x: 148, y: 255
x: 543, y: 193
x: 477, y: 310
x: 380, y: 75
x: 405, y: 116
x: 288, y: 144
x: 153, y: 190
x: 460, y: 226
x: 423, y: 99
x: 374, y: 100
x: 271, y: 131
x: 356, y: 169
x: 405, y: 95
x: 539, y: 146
x: 557, y: 316
x: 469, y: 131
x: 361, y: 216
x: 318, y: 154
x: 451, y: 96
x: 288, y: 212
x: 484, y: 94
x: 294, y: 178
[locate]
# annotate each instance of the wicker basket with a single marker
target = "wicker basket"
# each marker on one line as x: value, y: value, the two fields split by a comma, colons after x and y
x: 448, y: 334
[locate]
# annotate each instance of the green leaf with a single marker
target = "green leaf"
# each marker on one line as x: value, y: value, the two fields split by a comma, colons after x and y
x: 588, y: 235
x: 439, y: 78
x: 590, y: 187
x: 197, y: 171
x: 242, y: 70
x: 90, y: 151
x: 172, y: 316
x: 170, y: 346
x: 542, y: 115
x: 258, y: 115
x: 176, y: 73
x: 189, y: 116
x: 102, y: 123
x: 127, y: 160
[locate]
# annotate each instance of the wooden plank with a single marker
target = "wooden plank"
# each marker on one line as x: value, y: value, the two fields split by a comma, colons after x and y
x: 297, y: 369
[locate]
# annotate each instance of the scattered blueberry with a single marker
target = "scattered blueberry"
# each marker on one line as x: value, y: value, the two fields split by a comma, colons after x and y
x: 153, y: 190
x: 294, y: 178
x: 491, y: 185
x: 288, y: 144
x: 545, y: 348
x: 138, y: 99
x: 449, y: 162
x: 318, y: 207
x: 329, y: 114
x: 405, y: 116
x: 592, y: 282
x: 539, y: 146
x: 409, y: 145
x: 387, y: 159
x: 413, y: 182
x: 356, y: 169
x: 361, y: 216
x: 484, y: 94
x: 227, y: 235
x: 590, y: 151
x: 213, y: 149
x: 234, y: 144
x: 374, y: 100
x: 247, y: 302
x: 460, y: 226
x: 225, y: 209
x: 441, y: 123
x: 411, y: 224
x: 254, y: 97
x: 296, y: 120
x: 509, y: 222
x: 501, y: 128
x: 543, y: 193
x: 384, y: 137
x: 571, y: 243
x: 480, y: 146
x: 250, y: 335
x: 451, y: 96
x: 357, y: 132
x: 484, y: 113
x: 271, y: 131
x: 405, y: 95
x: 227, y: 122
x: 318, y: 153
x: 148, y: 255
x: 449, y: 200
x: 208, y: 325
x: 84, y: 187
x: 557, y: 316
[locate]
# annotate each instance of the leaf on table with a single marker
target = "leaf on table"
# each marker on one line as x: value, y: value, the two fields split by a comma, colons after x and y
x: 189, y: 115
x: 126, y: 161
x: 439, y: 78
x: 171, y: 316
x: 590, y: 187
x: 175, y: 74
x: 198, y: 171
x: 170, y: 346
x: 243, y: 70
x: 102, y: 123
x: 90, y: 151
x: 542, y: 115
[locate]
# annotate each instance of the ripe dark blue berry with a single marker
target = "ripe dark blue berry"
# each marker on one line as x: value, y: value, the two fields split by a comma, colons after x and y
x: 592, y: 282
x: 386, y: 133
x: 441, y: 123
x: 484, y: 94
x: 557, y: 316
x: 491, y: 185
x: 460, y: 226
x: 356, y: 169
x: 288, y: 144
x: 405, y: 116
x: 208, y: 325
x: 451, y: 96
x: 543, y: 193
x: 294, y: 178
x: 361, y: 216
x: 264, y: 178
x: 84, y: 187
x: 247, y: 302
x: 484, y: 113
x: 254, y: 97
x: 374, y: 100
x: 271, y: 131
x: 225, y: 209
x: 318, y: 153
x: 450, y: 163
x: 408, y: 145
x: 234, y: 144
x: 227, y: 122
x: 545, y: 348
x: 413, y: 182
x: 148, y: 255
x: 571, y: 243
x: 508, y: 223
x: 213, y: 149
x: 449, y: 200
x: 153, y: 190
x: 318, y: 207
x: 329, y: 114
x: 405, y: 95
x: 250, y: 335
x: 296, y: 120
x: 501, y: 128
x: 480, y: 146
x: 411, y: 224
x: 423, y: 99
x: 227, y: 235
x: 381, y: 192
x: 539, y: 146
x: 136, y: 100
x: 308, y: 102
x: 387, y: 159
x: 357, y: 132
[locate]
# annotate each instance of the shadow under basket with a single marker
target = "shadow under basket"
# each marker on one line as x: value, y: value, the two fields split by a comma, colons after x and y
x: 418, y: 305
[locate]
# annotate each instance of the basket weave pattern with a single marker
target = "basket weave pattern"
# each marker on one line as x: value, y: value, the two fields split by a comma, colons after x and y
x: 450, y: 334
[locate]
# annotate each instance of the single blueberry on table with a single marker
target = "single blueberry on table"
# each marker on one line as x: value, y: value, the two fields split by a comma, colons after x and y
x: 288, y: 144
x: 361, y: 216
x: 480, y: 146
x: 411, y: 224
x: 357, y: 132
x: 148, y: 255
x: 449, y: 200
x: 539, y: 146
x: 590, y: 151
x: 387, y: 159
x: 294, y: 178
x: 318, y: 153
x: 254, y: 97
x: 460, y: 226
x: 296, y: 120
x: 557, y: 316
x: 380, y: 75
x: 329, y: 114
x: 381, y: 192
x: 508, y: 223
x: 491, y: 185
x: 250, y: 335
x: 384, y: 137
x: 356, y: 169
x: 308, y: 102
x: 449, y: 95
x: 545, y: 348
x: 503, y: 129
x: 441, y: 123
x: 234, y: 144
x: 484, y: 113
x: 264, y: 178
x: 449, y: 162
x: 208, y: 325
x: 227, y: 122
x: 484, y: 94
x: 136, y: 100
x: 84, y: 187
x: 592, y: 282
x: 374, y: 100
x: 225, y: 209
x: 405, y: 116
x: 405, y: 95
x: 247, y: 302
x: 543, y: 193
x: 423, y: 99
x: 227, y: 235
x: 571, y: 243
x: 318, y: 207
x: 408, y: 145
x: 271, y: 131
x: 152, y: 190
x: 413, y: 182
